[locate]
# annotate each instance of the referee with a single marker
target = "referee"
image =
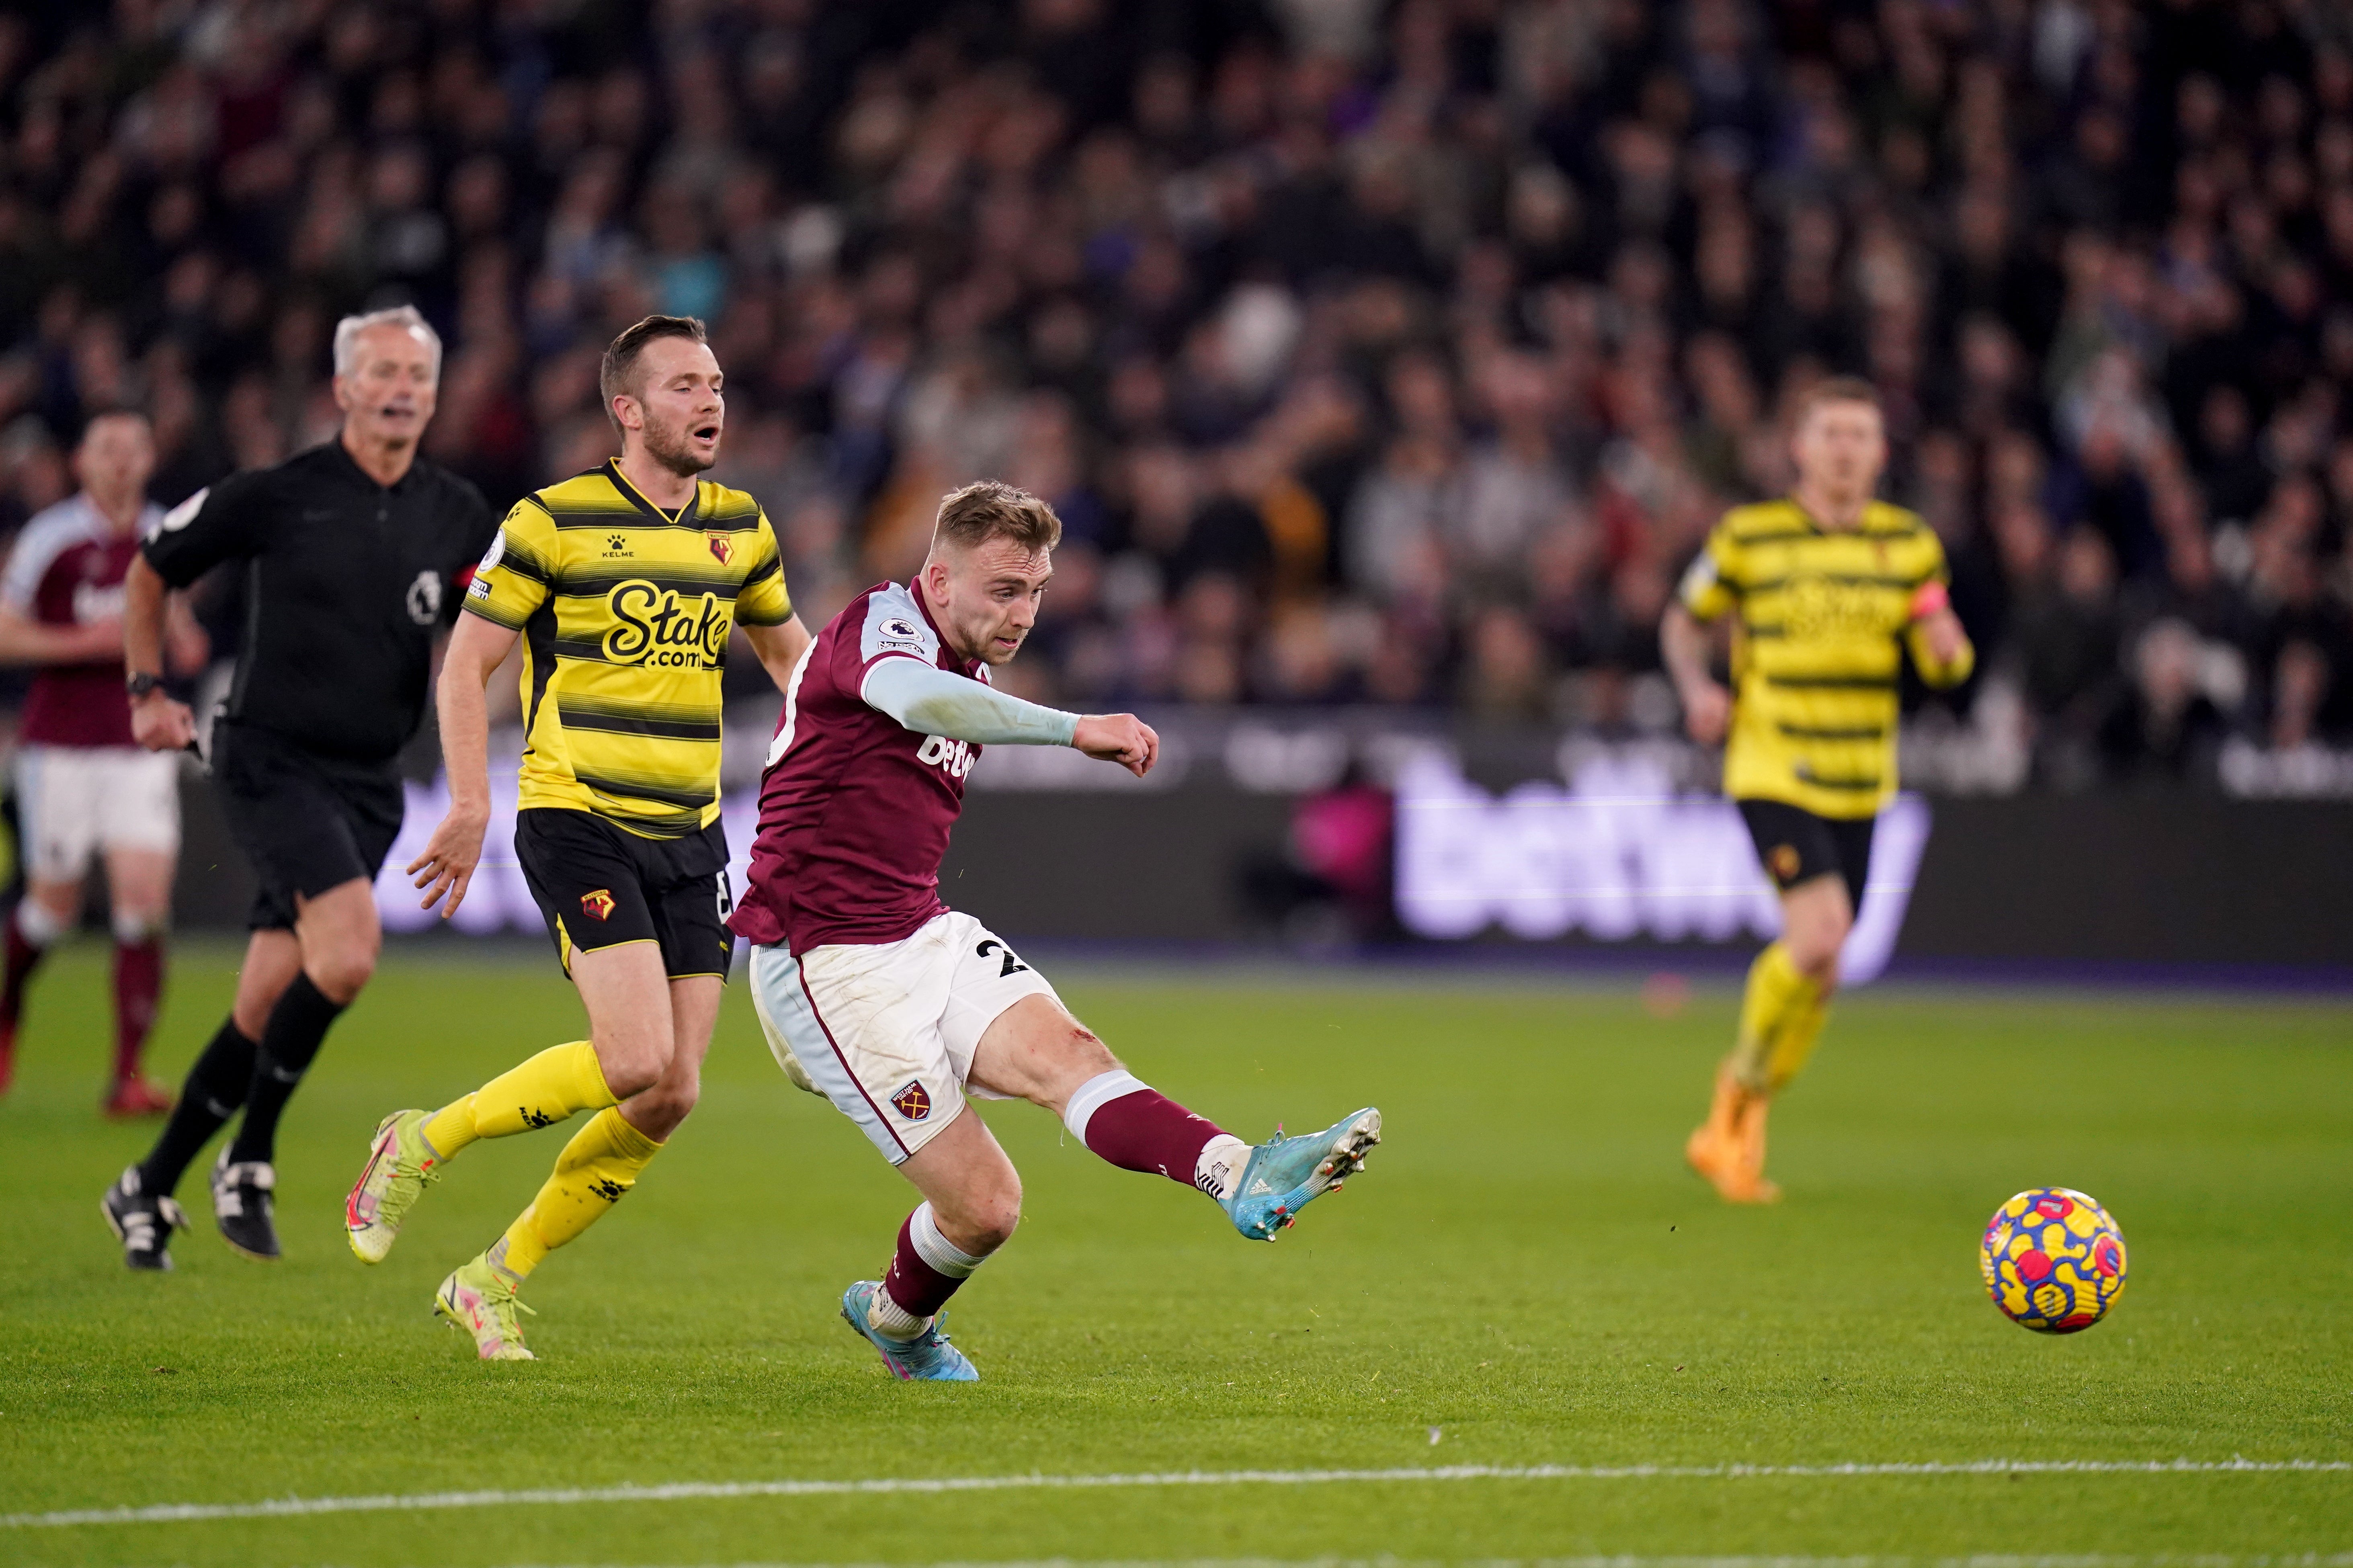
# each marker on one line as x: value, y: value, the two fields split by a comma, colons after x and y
x: 357, y: 555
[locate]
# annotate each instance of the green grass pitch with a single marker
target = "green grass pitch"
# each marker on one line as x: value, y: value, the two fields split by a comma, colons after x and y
x: 1526, y: 1275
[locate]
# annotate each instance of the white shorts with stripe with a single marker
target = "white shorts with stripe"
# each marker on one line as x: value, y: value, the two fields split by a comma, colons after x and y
x: 887, y: 1031
x: 74, y: 803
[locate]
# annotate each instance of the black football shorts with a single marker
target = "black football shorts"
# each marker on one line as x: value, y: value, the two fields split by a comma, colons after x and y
x: 306, y: 822
x: 600, y: 886
x: 1795, y: 845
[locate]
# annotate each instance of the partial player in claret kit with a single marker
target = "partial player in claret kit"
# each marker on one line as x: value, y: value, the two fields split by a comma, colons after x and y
x: 876, y: 995
x: 87, y: 794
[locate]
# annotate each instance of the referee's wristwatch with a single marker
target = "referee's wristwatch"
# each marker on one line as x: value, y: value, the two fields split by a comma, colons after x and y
x: 140, y: 684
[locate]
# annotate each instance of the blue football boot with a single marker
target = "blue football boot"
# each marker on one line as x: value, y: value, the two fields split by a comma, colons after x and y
x: 928, y: 1358
x: 1285, y: 1175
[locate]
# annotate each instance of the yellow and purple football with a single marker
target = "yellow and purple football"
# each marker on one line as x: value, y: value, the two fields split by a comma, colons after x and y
x: 2052, y: 1259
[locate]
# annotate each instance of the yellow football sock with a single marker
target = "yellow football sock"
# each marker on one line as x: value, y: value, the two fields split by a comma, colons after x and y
x: 1799, y: 1030
x: 599, y: 1166
x: 1777, y: 993
x: 553, y: 1085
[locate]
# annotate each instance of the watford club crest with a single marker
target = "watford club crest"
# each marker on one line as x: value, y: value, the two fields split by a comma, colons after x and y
x: 911, y: 1102
x: 597, y: 905
x: 1784, y: 862
x: 721, y: 550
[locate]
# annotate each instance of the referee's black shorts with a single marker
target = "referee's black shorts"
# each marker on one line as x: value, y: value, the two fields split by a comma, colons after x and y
x: 1795, y: 845
x: 306, y: 822
x: 600, y: 886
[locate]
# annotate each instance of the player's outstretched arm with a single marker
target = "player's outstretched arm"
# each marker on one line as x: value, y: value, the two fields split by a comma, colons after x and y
x: 478, y: 645
x: 934, y: 701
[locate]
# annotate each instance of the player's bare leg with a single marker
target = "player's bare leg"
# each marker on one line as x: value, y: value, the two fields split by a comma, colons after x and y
x: 1787, y: 1001
x: 657, y: 1110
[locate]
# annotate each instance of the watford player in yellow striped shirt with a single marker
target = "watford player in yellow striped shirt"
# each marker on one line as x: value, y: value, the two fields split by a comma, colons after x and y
x: 1827, y: 588
x: 622, y: 584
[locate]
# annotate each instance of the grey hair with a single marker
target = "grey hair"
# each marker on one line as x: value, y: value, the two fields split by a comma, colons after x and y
x: 348, y: 330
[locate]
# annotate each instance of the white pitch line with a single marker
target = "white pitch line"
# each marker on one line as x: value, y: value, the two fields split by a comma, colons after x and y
x: 685, y: 1491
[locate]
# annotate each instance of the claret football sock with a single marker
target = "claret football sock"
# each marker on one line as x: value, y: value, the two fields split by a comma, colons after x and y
x: 138, y: 987
x: 559, y: 1082
x: 1136, y: 1127
x: 215, y: 1085
x: 595, y: 1171
x: 926, y: 1269
x: 1776, y: 995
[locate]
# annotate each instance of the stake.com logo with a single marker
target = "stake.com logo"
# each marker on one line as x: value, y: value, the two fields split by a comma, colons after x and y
x: 655, y: 626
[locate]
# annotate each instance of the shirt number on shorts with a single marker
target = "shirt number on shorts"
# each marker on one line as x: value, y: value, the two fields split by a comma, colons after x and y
x: 1012, y: 964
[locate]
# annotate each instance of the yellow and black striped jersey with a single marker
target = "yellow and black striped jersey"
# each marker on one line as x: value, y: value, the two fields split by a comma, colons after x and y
x: 625, y: 611
x: 1816, y: 653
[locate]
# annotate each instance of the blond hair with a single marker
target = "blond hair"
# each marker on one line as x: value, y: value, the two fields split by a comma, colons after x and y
x: 991, y: 508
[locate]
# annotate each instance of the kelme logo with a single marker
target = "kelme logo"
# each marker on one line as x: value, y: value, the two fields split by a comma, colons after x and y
x: 656, y: 628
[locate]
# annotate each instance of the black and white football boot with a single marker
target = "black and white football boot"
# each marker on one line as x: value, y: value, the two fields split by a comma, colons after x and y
x: 241, y: 1206
x: 142, y: 1224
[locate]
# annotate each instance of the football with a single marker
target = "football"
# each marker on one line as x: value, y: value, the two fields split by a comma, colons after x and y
x: 2052, y: 1259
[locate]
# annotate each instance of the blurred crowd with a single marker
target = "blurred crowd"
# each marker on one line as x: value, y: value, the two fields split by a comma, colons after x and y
x: 1390, y: 353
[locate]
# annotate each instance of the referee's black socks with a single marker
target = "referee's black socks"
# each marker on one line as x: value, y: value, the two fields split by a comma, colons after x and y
x: 288, y: 1041
x: 214, y: 1088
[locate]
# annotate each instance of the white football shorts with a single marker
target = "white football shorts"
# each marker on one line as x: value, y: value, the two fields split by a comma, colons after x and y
x: 73, y: 802
x: 887, y: 1031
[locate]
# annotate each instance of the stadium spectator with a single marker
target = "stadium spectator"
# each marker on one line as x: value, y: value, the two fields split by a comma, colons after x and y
x: 1457, y: 319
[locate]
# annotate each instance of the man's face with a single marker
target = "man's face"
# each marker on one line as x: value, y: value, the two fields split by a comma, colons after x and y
x: 390, y: 392
x: 116, y: 457
x: 676, y: 407
x: 986, y: 598
x: 1840, y: 449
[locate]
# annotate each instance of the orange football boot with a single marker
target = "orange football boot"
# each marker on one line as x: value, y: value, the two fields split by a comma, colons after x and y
x: 1728, y: 1148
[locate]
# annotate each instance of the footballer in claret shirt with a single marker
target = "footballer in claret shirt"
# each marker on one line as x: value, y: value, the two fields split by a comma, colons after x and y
x: 876, y: 995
